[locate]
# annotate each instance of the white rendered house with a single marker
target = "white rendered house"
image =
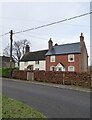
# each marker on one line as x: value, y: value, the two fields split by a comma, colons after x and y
x: 33, y: 61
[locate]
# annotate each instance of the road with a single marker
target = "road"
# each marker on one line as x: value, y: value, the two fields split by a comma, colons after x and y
x: 52, y: 102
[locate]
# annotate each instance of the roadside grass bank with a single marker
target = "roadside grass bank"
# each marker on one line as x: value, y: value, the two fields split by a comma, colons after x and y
x: 14, y: 109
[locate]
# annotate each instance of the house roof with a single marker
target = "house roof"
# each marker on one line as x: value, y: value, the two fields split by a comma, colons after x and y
x: 34, y: 56
x: 64, y: 49
x: 5, y: 59
x: 55, y: 50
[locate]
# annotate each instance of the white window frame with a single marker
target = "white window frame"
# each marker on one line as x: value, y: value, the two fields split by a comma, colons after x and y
x: 51, y: 68
x: 69, y: 58
x: 69, y: 68
x: 52, y: 58
x: 37, y: 62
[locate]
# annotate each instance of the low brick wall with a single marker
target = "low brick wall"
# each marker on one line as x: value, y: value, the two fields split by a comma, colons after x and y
x: 67, y: 78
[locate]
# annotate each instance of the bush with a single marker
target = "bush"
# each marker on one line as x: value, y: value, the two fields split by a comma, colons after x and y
x: 5, y: 72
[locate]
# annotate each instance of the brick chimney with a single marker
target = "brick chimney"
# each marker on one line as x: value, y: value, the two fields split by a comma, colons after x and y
x: 27, y: 49
x: 83, y: 55
x: 81, y: 38
x: 50, y: 44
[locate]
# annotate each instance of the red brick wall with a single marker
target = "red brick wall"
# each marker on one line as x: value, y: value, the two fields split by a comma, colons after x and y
x: 64, y: 60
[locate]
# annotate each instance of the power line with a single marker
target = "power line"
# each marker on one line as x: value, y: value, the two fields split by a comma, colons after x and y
x: 53, y: 23
x: 46, y: 25
x: 4, y: 34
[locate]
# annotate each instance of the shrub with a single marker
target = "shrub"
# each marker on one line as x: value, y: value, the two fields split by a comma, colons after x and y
x: 5, y: 72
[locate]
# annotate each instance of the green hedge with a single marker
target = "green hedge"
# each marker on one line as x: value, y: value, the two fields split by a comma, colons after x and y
x: 5, y: 72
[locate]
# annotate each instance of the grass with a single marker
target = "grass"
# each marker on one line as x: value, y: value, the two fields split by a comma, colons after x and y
x: 15, y: 109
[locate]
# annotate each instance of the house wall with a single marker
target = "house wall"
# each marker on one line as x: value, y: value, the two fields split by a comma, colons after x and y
x: 84, y: 58
x: 84, y: 55
x: 7, y: 64
x: 64, y: 60
x: 41, y: 65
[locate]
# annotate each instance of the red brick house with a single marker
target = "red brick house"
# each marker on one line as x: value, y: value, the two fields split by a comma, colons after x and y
x: 65, y: 57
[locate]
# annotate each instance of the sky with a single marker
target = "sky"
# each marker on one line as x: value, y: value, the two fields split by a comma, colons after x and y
x: 19, y: 16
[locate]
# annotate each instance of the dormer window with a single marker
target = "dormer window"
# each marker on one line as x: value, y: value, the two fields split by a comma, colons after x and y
x: 71, y: 58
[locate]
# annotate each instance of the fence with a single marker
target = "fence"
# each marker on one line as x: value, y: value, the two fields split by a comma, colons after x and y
x: 67, y: 78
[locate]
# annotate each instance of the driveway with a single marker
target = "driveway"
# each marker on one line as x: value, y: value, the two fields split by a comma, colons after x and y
x: 52, y: 102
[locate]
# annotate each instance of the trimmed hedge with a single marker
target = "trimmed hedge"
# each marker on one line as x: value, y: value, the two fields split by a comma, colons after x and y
x: 58, y: 77
x: 5, y: 72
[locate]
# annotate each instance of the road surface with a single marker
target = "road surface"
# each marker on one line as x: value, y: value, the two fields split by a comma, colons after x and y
x: 52, y: 102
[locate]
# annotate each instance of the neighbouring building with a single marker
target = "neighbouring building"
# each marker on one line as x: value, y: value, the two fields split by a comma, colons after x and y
x: 65, y: 57
x: 5, y: 62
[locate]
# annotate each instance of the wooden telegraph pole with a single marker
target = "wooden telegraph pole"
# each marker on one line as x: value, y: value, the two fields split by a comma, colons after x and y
x: 11, y: 40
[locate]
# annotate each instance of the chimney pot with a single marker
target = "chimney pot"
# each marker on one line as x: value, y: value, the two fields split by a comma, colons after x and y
x: 27, y: 49
x: 82, y: 34
x: 50, y: 44
x: 82, y: 38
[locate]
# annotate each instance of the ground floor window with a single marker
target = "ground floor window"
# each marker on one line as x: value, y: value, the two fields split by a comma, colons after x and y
x: 52, y: 68
x: 71, y: 68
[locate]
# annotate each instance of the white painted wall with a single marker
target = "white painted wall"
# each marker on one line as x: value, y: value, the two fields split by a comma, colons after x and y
x: 41, y: 65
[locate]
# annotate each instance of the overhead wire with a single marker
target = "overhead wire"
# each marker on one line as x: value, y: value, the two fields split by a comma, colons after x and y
x: 4, y: 34
x: 53, y: 23
x: 49, y: 24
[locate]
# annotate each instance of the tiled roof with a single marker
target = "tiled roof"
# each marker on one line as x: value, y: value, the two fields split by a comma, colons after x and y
x: 55, y: 50
x: 64, y: 49
x: 34, y: 56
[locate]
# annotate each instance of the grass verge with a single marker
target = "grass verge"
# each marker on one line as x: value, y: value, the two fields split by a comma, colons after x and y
x: 15, y: 109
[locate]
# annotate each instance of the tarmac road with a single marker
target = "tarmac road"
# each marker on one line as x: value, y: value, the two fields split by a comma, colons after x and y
x: 52, y: 102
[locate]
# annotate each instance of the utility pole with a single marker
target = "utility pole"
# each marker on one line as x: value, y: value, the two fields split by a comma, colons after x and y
x: 11, y: 40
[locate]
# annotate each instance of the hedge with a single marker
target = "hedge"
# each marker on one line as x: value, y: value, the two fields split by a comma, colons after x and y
x: 5, y: 72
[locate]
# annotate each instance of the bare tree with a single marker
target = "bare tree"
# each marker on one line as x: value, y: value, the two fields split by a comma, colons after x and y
x: 17, y: 50
x: 6, y: 50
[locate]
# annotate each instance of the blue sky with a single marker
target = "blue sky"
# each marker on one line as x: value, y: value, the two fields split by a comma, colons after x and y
x: 24, y: 15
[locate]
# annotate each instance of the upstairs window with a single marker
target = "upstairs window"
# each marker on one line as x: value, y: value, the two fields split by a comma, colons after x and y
x: 71, y: 58
x: 52, y: 58
x: 36, y: 62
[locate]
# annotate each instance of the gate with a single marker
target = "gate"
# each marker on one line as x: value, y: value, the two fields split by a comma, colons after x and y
x: 30, y: 76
